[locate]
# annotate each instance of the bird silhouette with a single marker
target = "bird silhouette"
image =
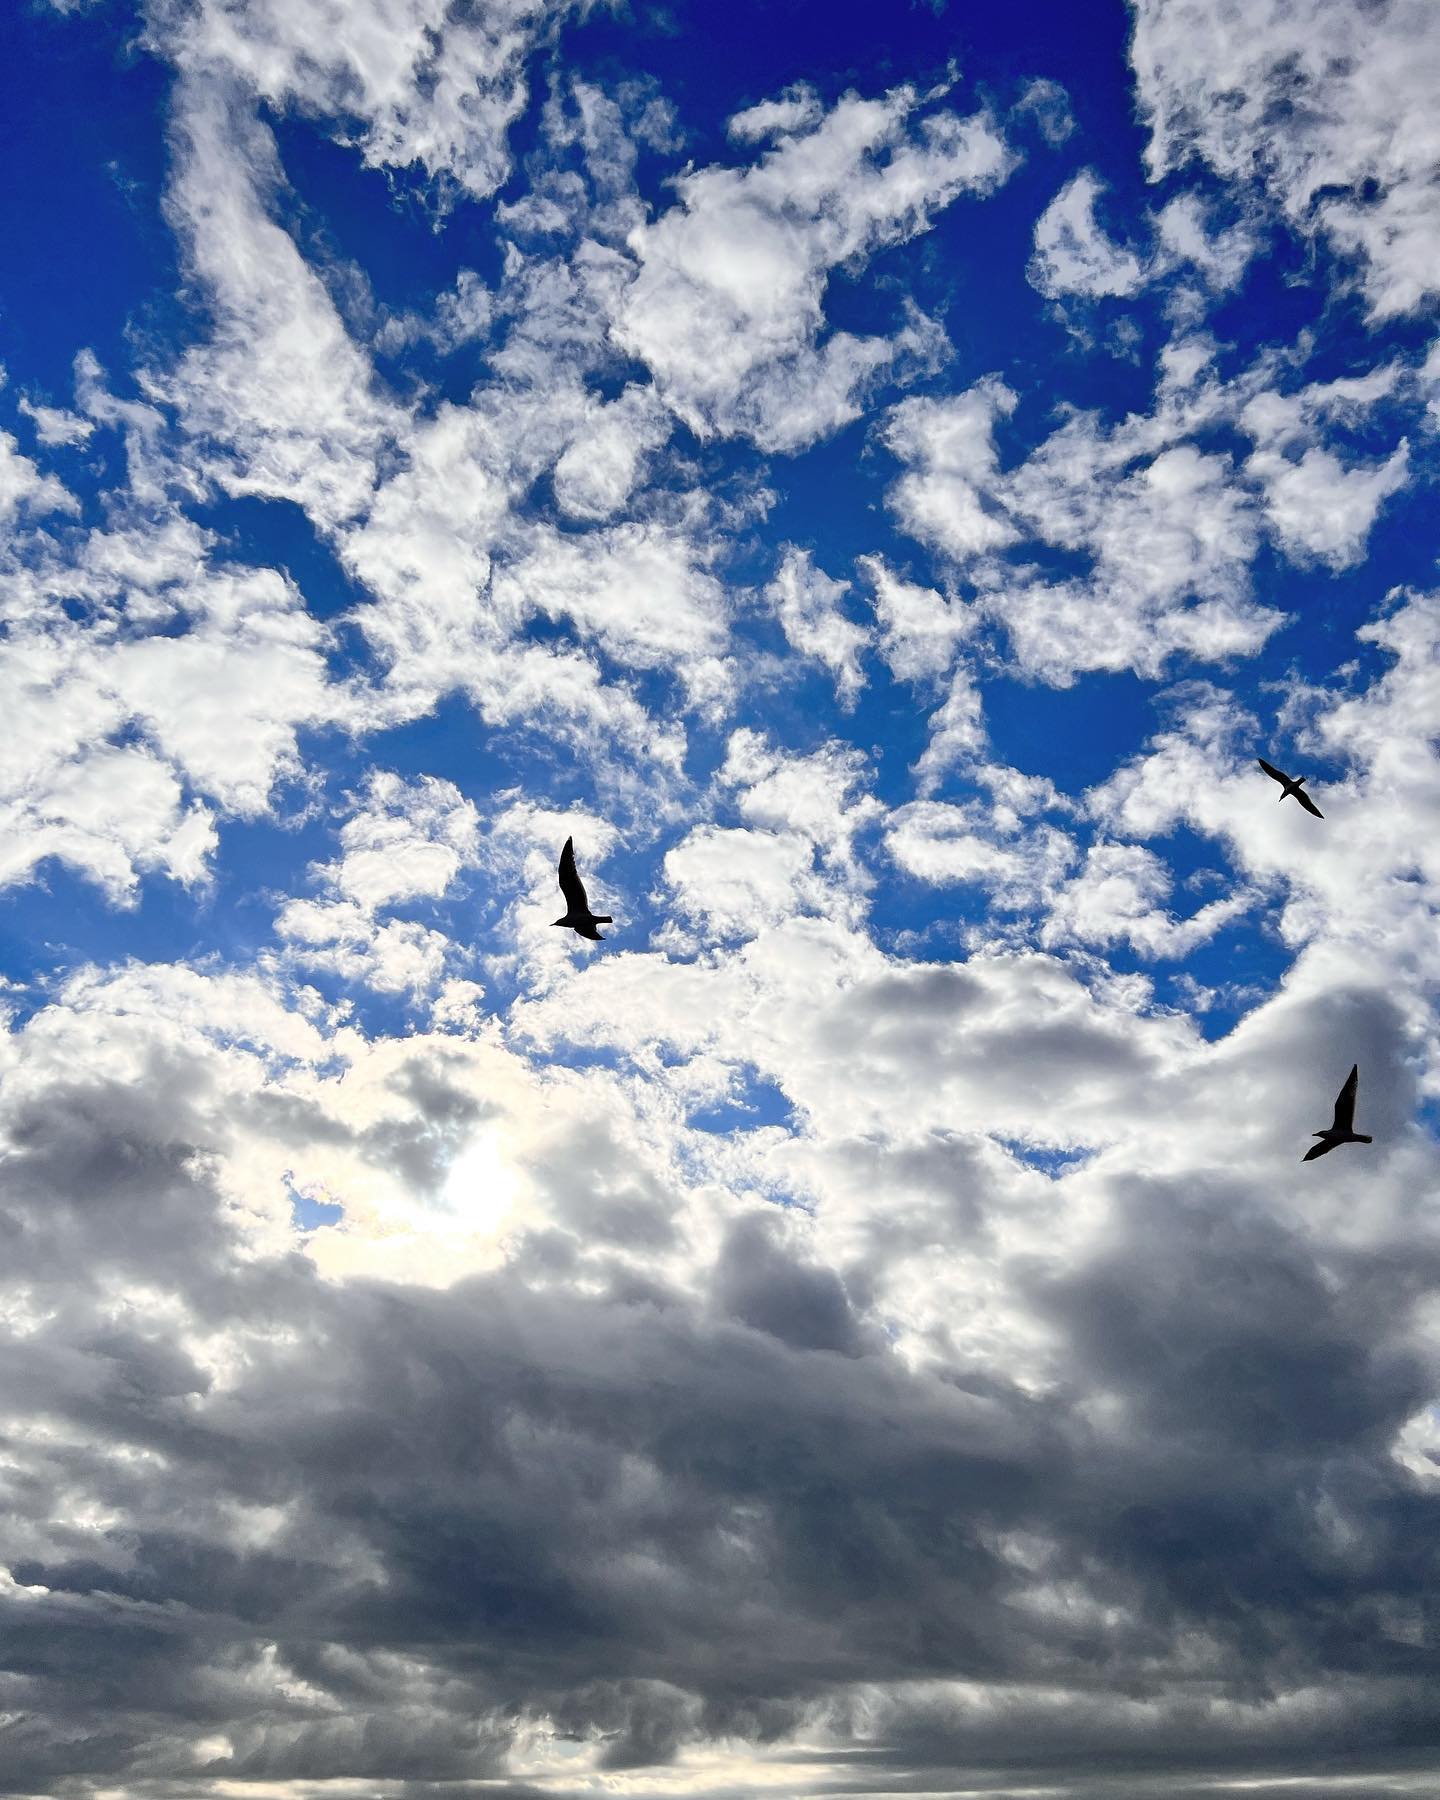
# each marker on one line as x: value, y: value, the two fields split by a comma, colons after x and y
x: 1292, y: 785
x: 1342, y: 1126
x: 578, y: 915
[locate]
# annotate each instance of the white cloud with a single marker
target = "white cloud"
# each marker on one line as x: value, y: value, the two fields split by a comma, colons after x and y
x: 1118, y: 896
x: 1171, y: 540
x: 600, y: 467
x: 957, y: 731
x: 1018, y: 866
x: 1221, y: 256
x: 1317, y: 506
x: 1168, y: 529
x: 279, y: 399
x: 405, y: 841
x: 408, y: 840
x: 950, y: 447
x: 807, y: 604
x: 1073, y: 255
x: 214, y: 668
x: 636, y: 590
x: 224, y: 700
x: 815, y: 795
x: 727, y: 306
x: 798, y: 109
x: 737, y: 882
x: 462, y: 314
x: 920, y: 627
x: 1364, y: 882
x: 24, y: 489
x: 1168, y: 524
x: 53, y: 425
x: 1115, y: 893
x: 392, y: 956
x: 1320, y: 508
x: 428, y: 84
x: 1049, y: 104
x: 1313, y: 99
x: 113, y: 814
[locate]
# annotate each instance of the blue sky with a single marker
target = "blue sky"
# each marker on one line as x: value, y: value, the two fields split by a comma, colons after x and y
x: 877, y: 478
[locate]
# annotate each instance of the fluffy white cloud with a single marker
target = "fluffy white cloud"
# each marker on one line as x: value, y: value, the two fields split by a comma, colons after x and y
x: 24, y: 488
x: 727, y: 308
x: 919, y: 626
x: 393, y: 956
x: 1167, y: 529
x: 1322, y: 509
x: 428, y: 83
x: 224, y: 700
x: 599, y: 468
x: 214, y: 668
x: 1185, y: 238
x: 1113, y: 893
x: 636, y: 590
x: 1328, y: 105
x: 54, y: 425
x: 1119, y: 895
x: 957, y: 731
x: 1019, y: 866
x: 736, y: 882
x: 404, y: 841
x: 1073, y: 254
x: 820, y: 795
x: 281, y: 400
x: 807, y: 604
x: 950, y: 447
x: 1317, y: 505
x: 114, y: 814
x: 1369, y: 879
x: 1049, y: 105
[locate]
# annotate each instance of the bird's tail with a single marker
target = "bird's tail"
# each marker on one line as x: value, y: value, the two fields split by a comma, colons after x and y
x: 601, y: 919
x: 1360, y: 1138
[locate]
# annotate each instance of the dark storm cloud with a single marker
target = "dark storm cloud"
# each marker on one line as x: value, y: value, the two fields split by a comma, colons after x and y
x: 398, y: 1519
x: 803, y: 1305
x: 508, y: 1490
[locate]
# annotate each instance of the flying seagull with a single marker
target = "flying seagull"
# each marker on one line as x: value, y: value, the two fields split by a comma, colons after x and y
x: 1292, y: 786
x: 1342, y: 1129
x: 578, y: 915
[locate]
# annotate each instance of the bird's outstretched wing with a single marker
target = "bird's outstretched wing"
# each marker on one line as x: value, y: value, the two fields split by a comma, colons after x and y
x: 1345, y: 1102
x: 571, y: 886
x: 1320, y: 1149
x: 1309, y: 804
x: 1271, y: 770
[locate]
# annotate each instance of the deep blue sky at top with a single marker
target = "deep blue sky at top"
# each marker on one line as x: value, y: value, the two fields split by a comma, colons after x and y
x: 89, y: 261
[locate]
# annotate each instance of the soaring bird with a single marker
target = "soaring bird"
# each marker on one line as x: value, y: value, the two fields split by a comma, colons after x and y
x: 1292, y: 786
x: 1342, y: 1128
x: 578, y: 915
